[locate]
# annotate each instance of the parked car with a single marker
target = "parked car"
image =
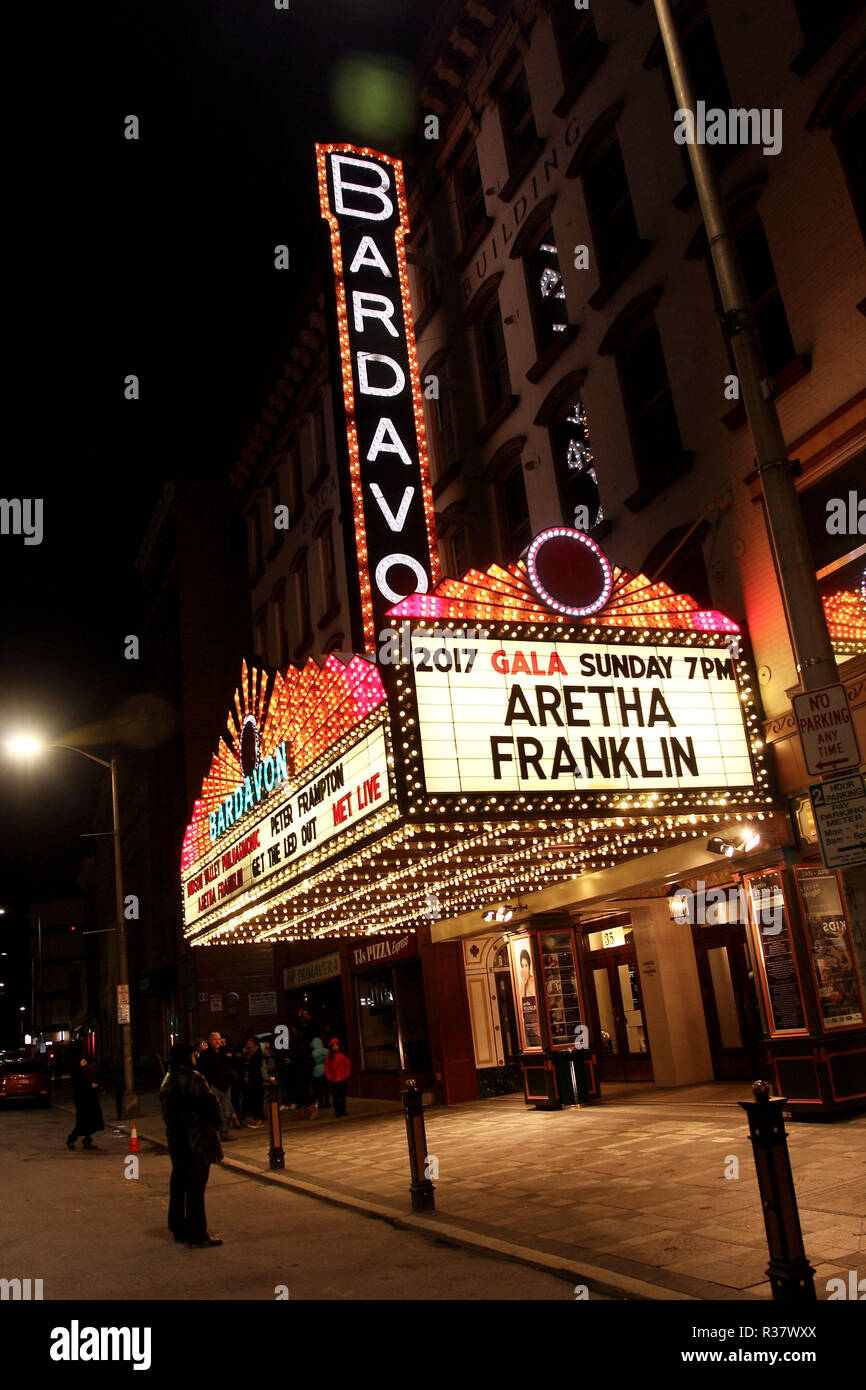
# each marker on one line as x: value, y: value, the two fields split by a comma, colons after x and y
x: 25, y: 1078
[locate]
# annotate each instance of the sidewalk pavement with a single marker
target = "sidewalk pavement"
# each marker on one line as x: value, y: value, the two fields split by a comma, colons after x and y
x: 630, y: 1196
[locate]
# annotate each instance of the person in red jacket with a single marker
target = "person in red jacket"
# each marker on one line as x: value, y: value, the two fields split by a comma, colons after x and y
x: 337, y: 1070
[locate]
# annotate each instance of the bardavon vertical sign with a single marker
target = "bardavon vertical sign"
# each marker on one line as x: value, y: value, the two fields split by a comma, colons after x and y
x: 363, y: 200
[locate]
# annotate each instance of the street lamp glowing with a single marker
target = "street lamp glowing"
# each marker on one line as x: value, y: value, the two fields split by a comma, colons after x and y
x: 24, y: 746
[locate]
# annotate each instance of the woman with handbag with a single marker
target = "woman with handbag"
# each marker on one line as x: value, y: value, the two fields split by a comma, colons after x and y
x: 192, y: 1124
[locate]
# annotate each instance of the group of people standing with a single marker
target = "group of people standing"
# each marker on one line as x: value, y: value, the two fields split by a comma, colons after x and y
x: 207, y: 1089
x: 309, y: 1074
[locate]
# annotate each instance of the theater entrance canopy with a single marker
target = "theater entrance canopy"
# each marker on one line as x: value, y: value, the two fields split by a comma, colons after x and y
x: 520, y: 728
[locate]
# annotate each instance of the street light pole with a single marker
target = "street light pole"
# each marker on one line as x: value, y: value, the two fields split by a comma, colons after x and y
x: 131, y: 1099
x: 804, y: 609
x: 130, y: 1105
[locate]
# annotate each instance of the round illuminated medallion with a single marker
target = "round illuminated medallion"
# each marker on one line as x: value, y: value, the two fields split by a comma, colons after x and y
x: 569, y: 572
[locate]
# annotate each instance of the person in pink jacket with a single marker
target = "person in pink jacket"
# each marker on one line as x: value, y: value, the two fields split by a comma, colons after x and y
x: 337, y: 1069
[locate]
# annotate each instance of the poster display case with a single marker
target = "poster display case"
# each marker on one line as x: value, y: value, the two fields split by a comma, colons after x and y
x: 778, y: 971
x: 831, y: 951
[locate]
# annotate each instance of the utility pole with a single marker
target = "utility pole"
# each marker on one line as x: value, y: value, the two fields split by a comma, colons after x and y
x: 795, y: 569
x: 130, y: 1106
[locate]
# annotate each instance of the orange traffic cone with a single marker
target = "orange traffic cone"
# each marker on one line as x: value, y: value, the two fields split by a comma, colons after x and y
x: 134, y: 1146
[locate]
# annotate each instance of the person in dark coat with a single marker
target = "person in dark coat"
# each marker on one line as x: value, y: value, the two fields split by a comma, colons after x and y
x: 113, y: 1076
x: 85, y: 1092
x: 192, y: 1121
x: 255, y: 1079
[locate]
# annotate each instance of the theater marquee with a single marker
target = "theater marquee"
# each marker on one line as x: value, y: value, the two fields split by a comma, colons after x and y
x: 528, y: 716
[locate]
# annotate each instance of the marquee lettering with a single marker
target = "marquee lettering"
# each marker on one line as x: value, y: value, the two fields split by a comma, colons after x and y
x: 379, y: 363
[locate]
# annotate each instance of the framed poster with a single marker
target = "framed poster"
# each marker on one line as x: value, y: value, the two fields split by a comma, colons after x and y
x: 561, y: 990
x: 525, y: 976
x: 774, y: 950
x: 830, y: 949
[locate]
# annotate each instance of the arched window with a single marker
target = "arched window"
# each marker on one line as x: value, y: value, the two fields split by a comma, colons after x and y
x: 260, y: 635
x: 324, y: 534
x: 678, y: 560
x: 440, y: 417
x: 278, y: 609
x: 505, y: 471
x: 575, y: 469
x: 485, y: 314
x: 304, y: 627
x: 564, y: 414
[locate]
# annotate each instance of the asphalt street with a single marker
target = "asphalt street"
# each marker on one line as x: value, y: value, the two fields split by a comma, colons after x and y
x: 75, y: 1221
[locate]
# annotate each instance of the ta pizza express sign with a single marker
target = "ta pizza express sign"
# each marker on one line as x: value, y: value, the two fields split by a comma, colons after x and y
x: 528, y: 716
x: 363, y: 200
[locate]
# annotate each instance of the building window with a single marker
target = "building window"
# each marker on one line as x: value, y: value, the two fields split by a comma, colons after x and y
x: 459, y: 552
x: 280, y: 638
x: 649, y: 402
x: 328, y: 559
x: 513, y: 509
x: 518, y: 122
x: 440, y: 421
x: 576, y: 39
x: 296, y: 484
x: 546, y: 290
x: 575, y: 468
x: 611, y: 216
x: 260, y: 635
x: 495, y: 377
x: 302, y: 599
x: 320, y: 440
x: 709, y: 82
x: 830, y: 510
x: 841, y: 110
x: 470, y: 195
x: 426, y: 289
x: 254, y: 540
x: 850, y: 133
x: 678, y: 561
x: 765, y: 296
x: 822, y: 20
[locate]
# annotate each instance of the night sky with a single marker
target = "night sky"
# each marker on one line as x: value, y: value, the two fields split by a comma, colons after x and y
x: 153, y: 257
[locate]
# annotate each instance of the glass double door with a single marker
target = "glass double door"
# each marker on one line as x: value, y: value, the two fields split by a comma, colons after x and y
x: 619, y: 1024
x: 730, y: 1002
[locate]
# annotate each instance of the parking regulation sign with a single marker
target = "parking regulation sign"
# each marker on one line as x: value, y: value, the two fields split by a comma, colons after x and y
x: 826, y: 730
x: 840, y: 815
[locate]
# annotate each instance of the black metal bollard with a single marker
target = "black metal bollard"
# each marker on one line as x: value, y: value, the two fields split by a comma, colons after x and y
x: 789, y: 1272
x: 421, y: 1187
x: 276, y: 1156
x: 581, y: 1084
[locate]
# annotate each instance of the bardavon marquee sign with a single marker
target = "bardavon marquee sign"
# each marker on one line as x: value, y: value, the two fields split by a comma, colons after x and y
x: 539, y: 717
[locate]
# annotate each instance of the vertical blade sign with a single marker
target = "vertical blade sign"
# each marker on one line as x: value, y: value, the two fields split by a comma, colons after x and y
x: 364, y: 202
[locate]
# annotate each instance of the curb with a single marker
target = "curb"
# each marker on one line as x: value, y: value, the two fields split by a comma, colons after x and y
x: 604, y: 1281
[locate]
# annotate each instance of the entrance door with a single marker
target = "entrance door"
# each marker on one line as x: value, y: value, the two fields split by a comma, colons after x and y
x: 730, y: 1004
x: 619, y: 1020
